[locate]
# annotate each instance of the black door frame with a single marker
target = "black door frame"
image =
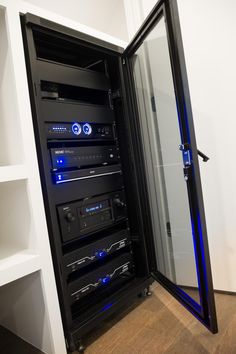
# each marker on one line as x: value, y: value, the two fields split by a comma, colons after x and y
x: 205, y: 312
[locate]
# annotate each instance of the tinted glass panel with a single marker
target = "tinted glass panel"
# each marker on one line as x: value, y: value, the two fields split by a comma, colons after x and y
x: 161, y: 140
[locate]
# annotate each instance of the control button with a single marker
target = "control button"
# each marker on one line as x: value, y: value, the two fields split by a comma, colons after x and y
x: 59, y: 178
x: 76, y: 128
x: 87, y: 129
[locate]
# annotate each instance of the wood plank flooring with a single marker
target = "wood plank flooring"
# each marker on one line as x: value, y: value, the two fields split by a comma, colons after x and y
x: 156, y: 325
x: 159, y: 324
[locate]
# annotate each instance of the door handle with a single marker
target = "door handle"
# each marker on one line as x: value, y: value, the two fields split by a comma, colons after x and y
x: 204, y: 157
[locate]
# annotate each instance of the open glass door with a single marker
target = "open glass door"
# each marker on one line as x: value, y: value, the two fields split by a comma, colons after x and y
x: 156, y: 75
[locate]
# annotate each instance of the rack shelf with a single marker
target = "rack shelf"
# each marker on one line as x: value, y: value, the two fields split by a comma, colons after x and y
x: 12, y: 173
x: 15, y: 264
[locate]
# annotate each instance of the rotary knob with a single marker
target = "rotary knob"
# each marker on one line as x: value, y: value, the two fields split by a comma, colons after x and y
x: 119, y: 203
x: 76, y: 128
x: 87, y: 129
x: 70, y: 217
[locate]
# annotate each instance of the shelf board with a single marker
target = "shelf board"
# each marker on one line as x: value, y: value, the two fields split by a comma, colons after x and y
x: 12, y: 173
x: 3, y: 3
x: 17, y: 264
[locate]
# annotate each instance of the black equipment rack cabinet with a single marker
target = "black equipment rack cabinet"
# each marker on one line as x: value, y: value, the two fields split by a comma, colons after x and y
x: 93, y: 173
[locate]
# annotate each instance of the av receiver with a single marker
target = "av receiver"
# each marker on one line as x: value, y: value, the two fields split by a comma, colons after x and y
x: 101, y: 276
x: 96, y: 251
x: 80, y: 218
x: 77, y: 157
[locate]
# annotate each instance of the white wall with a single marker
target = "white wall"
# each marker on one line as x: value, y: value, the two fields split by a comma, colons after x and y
x: 209, y: 32
x: 103, y: 15
x: 209, y: 29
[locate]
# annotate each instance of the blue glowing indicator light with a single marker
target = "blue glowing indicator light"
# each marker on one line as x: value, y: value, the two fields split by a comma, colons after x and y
x: 101, y: 254
x: 107, y: 306
x: 59, y: 178
x: 106, y: 280
x: 58, y: 128
x: 76, y: 128
x: 60, y: 161
x: 87, y: 129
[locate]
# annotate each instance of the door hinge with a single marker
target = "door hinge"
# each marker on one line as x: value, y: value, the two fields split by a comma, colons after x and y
x: 153, y: 103
x: 168, y: 229
x: 123, y: 61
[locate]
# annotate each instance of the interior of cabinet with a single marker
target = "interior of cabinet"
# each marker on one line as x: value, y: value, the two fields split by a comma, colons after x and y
x: 68, y: 52
x: 10, y: 134
x: 88, y: 79
x: 23, y: 311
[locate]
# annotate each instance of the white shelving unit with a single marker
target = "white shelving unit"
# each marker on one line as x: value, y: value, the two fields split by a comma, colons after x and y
x: 12, y: 173
x: 28, y: 298
x: 29, y: 304
x: 15, y: 265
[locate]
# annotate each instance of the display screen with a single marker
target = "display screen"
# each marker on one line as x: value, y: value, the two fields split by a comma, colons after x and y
x: 94, y: 208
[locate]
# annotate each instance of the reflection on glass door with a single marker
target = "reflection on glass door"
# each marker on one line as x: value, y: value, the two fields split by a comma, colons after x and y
x: 161, y: 140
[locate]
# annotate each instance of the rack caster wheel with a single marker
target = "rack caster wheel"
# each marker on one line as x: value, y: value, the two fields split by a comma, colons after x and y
x: 146, y: 292
x: 80, y: 348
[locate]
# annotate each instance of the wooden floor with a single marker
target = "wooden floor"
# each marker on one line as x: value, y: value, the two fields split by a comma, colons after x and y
x: 156, y: 325
x: 159, y: 324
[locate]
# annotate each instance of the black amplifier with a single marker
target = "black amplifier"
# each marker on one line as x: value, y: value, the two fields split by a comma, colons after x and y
x: 101, y: 276
x: 77, y: 157
x: 95, y: 251
x: 75, y: 175
x: 78, y: 130
x: 78, y: 219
